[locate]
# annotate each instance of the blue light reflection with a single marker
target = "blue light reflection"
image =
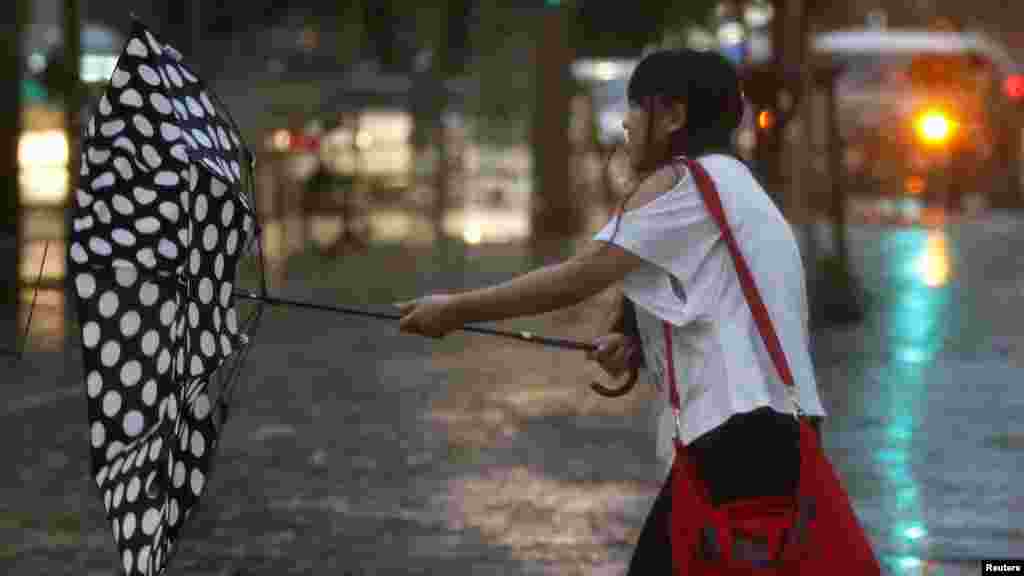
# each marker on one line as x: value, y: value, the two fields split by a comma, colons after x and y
x: 918, y: 266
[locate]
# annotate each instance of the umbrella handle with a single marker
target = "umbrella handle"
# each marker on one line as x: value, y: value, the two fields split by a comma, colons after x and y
x: 617, y: 392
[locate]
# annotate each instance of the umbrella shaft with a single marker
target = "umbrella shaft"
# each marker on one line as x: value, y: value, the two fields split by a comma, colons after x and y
x: 523, y: 336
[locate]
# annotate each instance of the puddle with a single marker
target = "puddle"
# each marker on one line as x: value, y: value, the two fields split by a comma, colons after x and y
x: 542, y: 518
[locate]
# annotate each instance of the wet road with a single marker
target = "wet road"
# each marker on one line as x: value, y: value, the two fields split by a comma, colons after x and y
x: 355, y: 449
x: 926, y: 397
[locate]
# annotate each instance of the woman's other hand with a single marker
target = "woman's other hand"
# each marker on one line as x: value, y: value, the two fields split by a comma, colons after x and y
x: 616, y: 353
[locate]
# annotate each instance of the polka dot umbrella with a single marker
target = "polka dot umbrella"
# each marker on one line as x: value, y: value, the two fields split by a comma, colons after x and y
x: 162, y: 218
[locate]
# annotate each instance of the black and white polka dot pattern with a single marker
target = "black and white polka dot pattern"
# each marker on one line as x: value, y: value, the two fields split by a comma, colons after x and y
x: 158, y: 228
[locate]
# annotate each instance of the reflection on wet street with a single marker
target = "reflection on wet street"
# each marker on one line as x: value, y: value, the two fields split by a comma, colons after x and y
x: 919, y: 265
x: 925, y: 389
x: 546, y: 520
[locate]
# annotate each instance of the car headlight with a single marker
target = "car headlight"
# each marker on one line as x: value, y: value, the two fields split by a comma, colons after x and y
x: 935, y: 127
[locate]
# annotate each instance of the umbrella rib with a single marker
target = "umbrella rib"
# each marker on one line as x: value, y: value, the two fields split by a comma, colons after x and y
x: 32, y: 307
x: 229, y: 380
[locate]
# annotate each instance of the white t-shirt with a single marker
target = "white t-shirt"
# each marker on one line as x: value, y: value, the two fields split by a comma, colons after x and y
x: 688, y: 279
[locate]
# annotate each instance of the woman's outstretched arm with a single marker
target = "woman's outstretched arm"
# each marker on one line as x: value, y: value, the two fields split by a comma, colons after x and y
x: 549, y: 288
x: 543, y: 290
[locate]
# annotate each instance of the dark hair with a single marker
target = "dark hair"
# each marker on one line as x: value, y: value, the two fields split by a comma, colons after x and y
x: 707, y: 84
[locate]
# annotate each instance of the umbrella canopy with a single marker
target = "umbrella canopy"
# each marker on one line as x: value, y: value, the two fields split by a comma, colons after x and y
x: 160, y: 221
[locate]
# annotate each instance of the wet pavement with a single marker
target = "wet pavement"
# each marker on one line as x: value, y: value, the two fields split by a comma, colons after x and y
x: 926, y: 396
x: 354, y: 449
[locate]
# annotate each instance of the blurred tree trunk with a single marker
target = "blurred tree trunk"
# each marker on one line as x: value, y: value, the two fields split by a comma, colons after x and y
x: 435, y: 76
x: 1008, y: 156
x: 835, y: 169
x: 441, y: 37
x: 798, y: 203
x: 10, y: 213
x: 73, y: 104
x: 774, y: 86
x: 427, y: 106
x: 555, y: 214
x: 840, y: 298
x: 795, y: 202
x: 350, y: 32
x: 782, y: 59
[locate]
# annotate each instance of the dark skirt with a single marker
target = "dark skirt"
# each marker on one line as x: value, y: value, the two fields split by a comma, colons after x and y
x: 751, y: 455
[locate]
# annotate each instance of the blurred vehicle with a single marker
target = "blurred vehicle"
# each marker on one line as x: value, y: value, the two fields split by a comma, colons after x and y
x: 924, y: 112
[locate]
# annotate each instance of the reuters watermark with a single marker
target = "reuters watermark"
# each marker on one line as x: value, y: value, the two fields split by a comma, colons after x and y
x: 1002, y: 566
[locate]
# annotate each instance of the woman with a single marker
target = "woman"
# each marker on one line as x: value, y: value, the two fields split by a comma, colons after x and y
x: 669, y: 256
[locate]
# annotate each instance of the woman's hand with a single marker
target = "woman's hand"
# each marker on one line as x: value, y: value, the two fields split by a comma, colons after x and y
x: 616, y: 353
x: 432, y: 316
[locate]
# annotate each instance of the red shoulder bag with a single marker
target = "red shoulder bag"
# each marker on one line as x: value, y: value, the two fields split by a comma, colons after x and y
x: 816, y: 532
